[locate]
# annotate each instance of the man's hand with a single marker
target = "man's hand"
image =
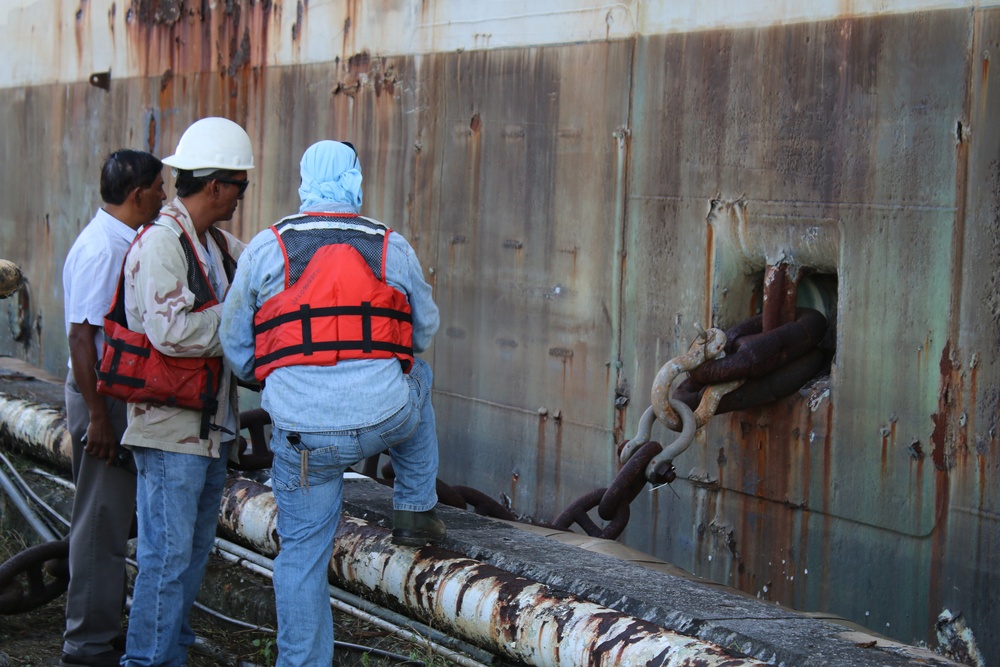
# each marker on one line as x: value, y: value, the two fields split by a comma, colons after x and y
x: 100, y: 440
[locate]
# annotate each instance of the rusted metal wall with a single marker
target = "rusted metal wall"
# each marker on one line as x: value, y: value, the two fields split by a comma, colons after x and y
x: 554, y: 172
x: 849, y: 123
x: 526, y: 267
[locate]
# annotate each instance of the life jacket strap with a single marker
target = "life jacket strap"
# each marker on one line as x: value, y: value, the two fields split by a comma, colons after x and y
x: 332, y: 311
x: 211, y: 404
x: 329, y: 346
x: 112, y: 376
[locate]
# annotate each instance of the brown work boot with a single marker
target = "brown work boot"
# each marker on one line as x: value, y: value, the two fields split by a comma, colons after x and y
x: 415, y: 529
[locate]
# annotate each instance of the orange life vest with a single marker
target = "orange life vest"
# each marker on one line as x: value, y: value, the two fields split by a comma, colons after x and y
x: 134, y: 371
x: 336, y: 304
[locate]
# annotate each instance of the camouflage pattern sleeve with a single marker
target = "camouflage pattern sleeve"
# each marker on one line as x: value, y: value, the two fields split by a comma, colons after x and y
x: 161, y: 305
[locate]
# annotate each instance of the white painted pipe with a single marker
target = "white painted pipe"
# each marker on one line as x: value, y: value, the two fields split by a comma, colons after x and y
x: 497, y: 610
x: 37, y: 429
x: 507, y: 614
x: 265, y: 567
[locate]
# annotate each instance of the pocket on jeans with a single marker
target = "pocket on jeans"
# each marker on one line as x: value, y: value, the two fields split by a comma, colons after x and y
x: 403, y: 430
x: 323, y: 464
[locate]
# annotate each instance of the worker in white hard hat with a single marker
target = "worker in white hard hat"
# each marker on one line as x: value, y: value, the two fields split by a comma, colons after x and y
x: 182, y: 409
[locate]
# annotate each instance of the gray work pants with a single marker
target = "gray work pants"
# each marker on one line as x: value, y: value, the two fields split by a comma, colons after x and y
x: 103, y: 509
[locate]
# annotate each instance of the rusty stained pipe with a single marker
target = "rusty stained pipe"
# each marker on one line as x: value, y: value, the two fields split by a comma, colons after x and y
x: 502, y: 612
x: 11, y: 278
x: 249, y: 512
x: 507, y: 614
x: 38, y: 430
x: 480, y: 603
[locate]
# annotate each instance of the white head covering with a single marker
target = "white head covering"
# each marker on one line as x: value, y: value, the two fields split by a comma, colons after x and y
x: 331, y: 178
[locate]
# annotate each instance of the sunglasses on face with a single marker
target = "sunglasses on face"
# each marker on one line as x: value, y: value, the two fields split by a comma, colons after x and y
x: 242, y: 185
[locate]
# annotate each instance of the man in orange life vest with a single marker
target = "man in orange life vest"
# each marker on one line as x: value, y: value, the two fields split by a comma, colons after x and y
x: 162, y: 355
x: 326, y: 310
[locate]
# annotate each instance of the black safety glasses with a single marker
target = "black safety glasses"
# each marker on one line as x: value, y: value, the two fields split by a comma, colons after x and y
x: 242, y: 185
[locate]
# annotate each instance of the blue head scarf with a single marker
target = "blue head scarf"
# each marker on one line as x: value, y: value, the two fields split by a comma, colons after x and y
x: 331, y: 178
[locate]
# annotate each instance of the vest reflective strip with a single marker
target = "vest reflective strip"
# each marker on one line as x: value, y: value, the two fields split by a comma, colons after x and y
x: 290, y: 224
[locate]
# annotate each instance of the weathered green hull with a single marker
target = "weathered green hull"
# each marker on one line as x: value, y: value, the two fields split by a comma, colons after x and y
x: 553, y: 165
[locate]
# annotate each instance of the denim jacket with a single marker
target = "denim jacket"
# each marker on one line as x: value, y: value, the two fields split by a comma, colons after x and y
x: 352, y: 394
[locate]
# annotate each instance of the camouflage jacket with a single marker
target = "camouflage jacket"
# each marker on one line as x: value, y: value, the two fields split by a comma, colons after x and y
x: 159, y: 303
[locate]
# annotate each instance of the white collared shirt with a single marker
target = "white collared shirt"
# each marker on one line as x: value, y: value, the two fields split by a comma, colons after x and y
x: 91, y: 272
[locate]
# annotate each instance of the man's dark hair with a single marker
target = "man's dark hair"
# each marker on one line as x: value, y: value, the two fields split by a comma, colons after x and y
x: 188, y: 184
x: 124, y: 171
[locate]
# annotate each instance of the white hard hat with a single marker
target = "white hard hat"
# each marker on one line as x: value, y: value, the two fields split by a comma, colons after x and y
x: 210, y: 144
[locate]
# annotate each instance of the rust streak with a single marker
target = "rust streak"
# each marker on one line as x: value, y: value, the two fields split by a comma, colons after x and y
x: 709, y: 271
x: 939, y: 453
x: 540, y: 448
x: 885, y: 455
x: 774, y: 287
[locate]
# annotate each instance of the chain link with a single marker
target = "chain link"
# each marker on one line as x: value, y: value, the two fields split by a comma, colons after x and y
x: 45, y: 573
x: 732, y: 370
x: 707, y: 346
x: 767, y: 365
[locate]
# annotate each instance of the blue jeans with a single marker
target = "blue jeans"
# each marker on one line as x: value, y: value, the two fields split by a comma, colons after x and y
x: 177, y: 501
x: 309, y: 498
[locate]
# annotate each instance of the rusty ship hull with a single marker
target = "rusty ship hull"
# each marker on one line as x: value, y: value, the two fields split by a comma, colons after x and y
x: 555, y: 166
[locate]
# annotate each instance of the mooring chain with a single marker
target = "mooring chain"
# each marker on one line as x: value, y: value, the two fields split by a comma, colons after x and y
x: 707, y: 346
x: 647, y: 461
x: 677, y: 415
x: 643, y: 460
x: 46, y: 577
x: 740, y: 368
x: 759, y: 365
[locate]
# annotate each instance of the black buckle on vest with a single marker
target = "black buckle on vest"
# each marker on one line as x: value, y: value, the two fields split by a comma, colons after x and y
x: 112, y: 377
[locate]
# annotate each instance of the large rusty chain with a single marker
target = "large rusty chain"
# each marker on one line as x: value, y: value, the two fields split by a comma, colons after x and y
x: 46, y: 577
x: 754, y: 363
x: 462, y: 497
x: 767, y: 364
x: 707, y: 346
